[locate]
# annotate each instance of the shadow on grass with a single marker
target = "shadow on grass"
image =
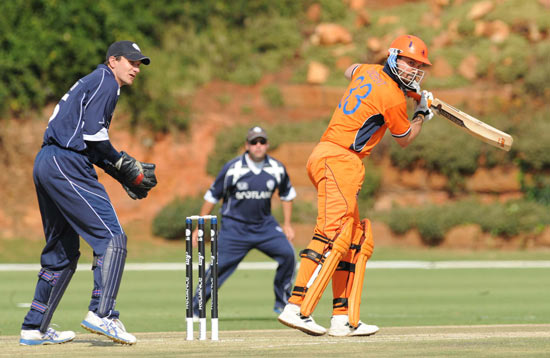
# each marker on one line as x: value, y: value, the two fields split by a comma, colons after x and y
x: 98, y: 343
x: 244, y: 319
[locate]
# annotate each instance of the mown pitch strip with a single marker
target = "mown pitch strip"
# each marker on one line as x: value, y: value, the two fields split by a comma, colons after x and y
x: 430, y: 341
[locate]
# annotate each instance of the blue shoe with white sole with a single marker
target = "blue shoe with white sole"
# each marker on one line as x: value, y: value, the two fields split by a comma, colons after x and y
x: 33, y: 337
x: 111, y: 328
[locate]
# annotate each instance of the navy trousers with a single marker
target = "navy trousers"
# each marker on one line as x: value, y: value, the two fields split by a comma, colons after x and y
x: 73, y: 204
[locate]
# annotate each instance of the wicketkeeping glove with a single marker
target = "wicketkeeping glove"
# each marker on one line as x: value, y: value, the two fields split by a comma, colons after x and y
x: 137, y: 192
x: 137, y: 178
x: 423, y: 106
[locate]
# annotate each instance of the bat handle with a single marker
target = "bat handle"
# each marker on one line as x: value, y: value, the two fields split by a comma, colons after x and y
x: 416, y: 97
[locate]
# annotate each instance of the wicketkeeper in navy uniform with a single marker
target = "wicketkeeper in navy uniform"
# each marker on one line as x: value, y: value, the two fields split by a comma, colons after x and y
x: 246, y: 185
x: 74, y: 204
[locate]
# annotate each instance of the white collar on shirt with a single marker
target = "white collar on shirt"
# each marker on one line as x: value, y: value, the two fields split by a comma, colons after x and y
x: 255, y: 167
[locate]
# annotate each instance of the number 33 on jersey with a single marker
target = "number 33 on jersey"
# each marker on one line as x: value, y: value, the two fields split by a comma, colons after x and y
x: 371, y: 104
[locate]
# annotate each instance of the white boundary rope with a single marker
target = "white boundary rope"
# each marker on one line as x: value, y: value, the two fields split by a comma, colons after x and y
x: 427, y: 265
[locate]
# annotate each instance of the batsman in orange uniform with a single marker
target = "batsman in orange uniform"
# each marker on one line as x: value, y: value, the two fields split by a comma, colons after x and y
x: 373, y: 103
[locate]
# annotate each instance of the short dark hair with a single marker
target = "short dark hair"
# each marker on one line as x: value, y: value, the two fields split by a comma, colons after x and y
x: 106, y: 62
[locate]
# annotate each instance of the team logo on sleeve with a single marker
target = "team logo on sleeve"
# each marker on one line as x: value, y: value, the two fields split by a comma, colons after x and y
x: 270, y: 184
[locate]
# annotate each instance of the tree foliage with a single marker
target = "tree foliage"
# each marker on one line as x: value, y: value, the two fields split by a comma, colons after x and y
x: 48, y: 44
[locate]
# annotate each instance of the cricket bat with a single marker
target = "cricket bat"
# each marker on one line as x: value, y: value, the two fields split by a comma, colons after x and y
x: 469, y: 124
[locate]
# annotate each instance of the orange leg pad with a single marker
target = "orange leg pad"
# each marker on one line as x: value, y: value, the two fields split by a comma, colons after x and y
x: 323, y: 274
x: 354, y: 301
x: 306, y: 270
x: 342, y: 279
x: 319, y: 282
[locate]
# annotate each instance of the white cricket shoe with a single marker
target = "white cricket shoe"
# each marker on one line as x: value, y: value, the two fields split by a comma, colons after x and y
x: 111, y: 328
x: 33, y: 337
x: 291, y: 317
x: 340, y: 327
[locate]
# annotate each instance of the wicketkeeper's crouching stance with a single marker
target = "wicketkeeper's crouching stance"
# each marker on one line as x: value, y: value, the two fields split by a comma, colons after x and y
x: 74, y: 204
x: 342, y: 244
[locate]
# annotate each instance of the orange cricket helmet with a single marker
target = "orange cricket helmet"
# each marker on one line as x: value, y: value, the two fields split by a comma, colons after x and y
x: 412, y: 47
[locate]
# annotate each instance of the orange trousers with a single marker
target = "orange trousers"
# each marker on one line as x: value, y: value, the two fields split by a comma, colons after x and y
x: 338, y: 175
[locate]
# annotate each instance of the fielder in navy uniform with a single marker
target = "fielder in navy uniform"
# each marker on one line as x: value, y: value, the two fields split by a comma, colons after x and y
x: 74, y: 204
x: 246, y: 185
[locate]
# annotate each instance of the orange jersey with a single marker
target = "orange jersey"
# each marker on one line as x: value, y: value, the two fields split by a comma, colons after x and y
x: 372, y: 103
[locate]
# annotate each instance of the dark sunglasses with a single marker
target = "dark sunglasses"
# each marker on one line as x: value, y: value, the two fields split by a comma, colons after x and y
x: 258, y: 140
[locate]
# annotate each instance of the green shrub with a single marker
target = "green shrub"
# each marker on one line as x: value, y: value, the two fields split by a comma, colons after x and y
x: 169, y: 223
x: 511, y: 63
x: 443, y: 148
x: 159, y: 110
x: 289, y: 132
x: 400, y: 220
x: 497, y: 222
x: 246, y: 109
x: 332, y: 11
x: 454, y: 81
x: 536, y: 189
x: 44, y: 55
x: 459, y: 13
x: 303, y: 212
x: 532, y: 216
x: 513, y: 218
x: 433, y: 221
x: 538, y: 77
x: 246, y: 53
x: 273, y: 96
x: 482, y: 49
x: 533, y: 144
x: 224, y: 99
x: 520, y: 12
x: 229, y: 143
x: 371, y: 185
x: 432, y: 226
x: 409, y: 14
x: 453, y: 55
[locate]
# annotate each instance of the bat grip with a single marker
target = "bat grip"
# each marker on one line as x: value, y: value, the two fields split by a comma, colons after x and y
x: 417, y: 96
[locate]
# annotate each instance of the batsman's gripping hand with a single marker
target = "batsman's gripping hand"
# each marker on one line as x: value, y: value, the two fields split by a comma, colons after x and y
x: 423, y: 106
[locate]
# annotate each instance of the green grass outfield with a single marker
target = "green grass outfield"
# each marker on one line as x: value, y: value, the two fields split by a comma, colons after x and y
x: 422, y: 313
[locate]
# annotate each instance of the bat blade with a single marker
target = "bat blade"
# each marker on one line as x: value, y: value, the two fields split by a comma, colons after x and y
x: 474, y: 126
x: 469, y: 124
